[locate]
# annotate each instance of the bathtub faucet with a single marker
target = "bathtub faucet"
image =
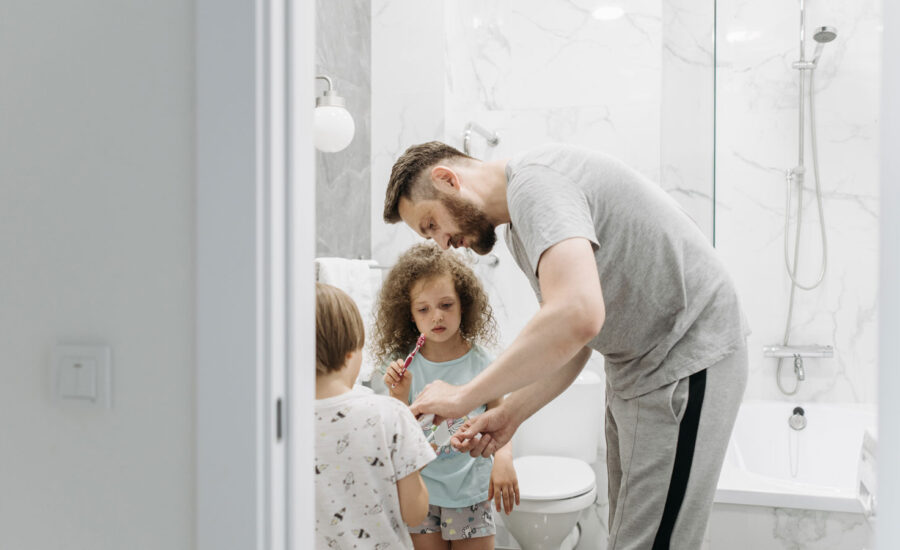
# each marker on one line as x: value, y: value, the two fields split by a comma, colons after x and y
x: 797, y: 420
x: 798, y: 367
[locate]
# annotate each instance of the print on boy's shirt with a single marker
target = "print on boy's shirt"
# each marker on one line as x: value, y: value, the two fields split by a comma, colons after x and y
x: 340, y: 415
x: 343, y: 443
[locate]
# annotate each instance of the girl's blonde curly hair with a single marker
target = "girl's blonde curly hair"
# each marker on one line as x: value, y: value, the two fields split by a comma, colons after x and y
x: 395, y: 331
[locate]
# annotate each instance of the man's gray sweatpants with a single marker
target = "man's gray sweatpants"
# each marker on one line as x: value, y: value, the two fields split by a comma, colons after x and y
x: 665, y: 450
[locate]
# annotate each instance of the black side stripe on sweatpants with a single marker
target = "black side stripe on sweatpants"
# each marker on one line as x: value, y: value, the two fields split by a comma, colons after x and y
x: 684, y: 456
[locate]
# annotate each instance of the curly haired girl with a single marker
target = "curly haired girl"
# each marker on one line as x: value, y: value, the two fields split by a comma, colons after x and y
x: 431, y: 292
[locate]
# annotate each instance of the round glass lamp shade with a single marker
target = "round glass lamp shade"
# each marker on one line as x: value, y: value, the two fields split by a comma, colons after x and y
x: 333, y: 128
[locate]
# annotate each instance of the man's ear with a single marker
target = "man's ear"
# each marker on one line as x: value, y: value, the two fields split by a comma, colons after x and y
x: 444, y: 178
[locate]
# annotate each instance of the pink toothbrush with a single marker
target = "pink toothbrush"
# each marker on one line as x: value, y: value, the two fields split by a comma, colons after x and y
x: 412, y: 354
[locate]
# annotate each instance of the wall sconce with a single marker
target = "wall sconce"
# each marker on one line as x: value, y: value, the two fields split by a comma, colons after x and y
x: 332, y: 124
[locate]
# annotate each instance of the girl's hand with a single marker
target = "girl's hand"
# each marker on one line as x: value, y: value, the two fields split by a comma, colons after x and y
x: 504, y: 489
x: 399, y: 387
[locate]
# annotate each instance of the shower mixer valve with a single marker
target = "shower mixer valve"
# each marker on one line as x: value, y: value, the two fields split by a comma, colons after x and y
x: 798, y: 368
x: 794, y: 351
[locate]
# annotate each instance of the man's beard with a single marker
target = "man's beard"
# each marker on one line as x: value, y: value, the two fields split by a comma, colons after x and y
x: 472, y: 222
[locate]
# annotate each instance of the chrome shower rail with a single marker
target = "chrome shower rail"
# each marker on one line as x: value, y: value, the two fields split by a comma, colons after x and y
x: 492, y: 137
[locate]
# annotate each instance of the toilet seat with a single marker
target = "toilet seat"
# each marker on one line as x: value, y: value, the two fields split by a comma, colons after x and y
x: 554, y: 484
x: 574, y: 504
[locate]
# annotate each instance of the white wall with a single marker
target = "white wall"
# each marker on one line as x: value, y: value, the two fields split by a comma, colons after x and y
x: 96, y: 218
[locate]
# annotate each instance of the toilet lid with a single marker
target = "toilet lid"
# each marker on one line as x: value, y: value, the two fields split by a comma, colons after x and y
x: 553, y: 477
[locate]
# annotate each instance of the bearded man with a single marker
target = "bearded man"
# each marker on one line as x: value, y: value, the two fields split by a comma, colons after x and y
x: 619, y: 268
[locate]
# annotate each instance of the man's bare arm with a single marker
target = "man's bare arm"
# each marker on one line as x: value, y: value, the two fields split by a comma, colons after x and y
x: 533, y: 397
x: 572, y: 313
x: 498, y: 425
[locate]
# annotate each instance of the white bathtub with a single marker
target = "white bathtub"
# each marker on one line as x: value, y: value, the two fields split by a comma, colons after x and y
x: 770, y: 464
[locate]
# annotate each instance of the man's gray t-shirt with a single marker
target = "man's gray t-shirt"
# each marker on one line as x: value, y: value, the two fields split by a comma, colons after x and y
x: 671, y: 307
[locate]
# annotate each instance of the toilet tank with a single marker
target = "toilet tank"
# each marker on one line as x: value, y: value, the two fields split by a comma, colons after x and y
x: 567, y: 426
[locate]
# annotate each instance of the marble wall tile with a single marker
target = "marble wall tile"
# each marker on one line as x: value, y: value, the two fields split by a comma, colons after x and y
x: 737, y: 527
x: 532, y: 54
x: 757, y: 141
x: 343, y: 52
x: 539, y: 72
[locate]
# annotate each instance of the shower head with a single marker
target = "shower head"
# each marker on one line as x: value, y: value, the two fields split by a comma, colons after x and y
x: 822, y: 36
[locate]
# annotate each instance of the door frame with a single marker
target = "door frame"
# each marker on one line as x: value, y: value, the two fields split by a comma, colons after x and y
x: 255, y: 246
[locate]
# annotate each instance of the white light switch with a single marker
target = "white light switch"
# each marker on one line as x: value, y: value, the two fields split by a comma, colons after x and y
x: 78, y: 378
x: 82, y: 373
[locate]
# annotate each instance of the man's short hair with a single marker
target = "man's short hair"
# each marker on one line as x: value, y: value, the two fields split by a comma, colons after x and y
x: 339, y: 328
x: 406, y: 176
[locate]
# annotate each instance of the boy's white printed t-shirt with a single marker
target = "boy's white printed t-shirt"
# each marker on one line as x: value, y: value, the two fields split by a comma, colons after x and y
x: 365, y: 443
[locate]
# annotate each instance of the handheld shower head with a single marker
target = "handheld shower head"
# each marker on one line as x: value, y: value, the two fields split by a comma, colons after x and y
x: 822, y: 36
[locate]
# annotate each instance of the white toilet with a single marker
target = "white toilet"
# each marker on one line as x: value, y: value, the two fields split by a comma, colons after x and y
x: 554, y: 450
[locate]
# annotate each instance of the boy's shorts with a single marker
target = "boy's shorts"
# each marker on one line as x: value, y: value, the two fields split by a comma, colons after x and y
x: 468, y: 522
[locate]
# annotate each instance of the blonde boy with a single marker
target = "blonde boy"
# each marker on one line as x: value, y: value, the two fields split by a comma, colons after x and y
x: 369, y: 448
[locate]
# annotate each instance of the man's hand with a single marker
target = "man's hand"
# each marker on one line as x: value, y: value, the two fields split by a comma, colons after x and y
x: 496, y: 427
x: 443, y: 400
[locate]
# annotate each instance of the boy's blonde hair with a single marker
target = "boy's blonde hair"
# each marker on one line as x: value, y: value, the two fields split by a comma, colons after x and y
x: 339, y: 328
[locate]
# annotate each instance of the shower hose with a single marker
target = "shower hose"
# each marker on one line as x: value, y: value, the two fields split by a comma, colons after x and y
x: 792, y: 270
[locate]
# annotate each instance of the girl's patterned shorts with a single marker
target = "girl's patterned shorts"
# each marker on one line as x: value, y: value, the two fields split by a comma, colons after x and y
x: 458, y: 523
